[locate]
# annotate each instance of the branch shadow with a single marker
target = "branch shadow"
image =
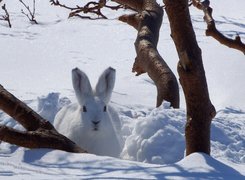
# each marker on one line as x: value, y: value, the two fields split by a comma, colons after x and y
x: 111, y: 168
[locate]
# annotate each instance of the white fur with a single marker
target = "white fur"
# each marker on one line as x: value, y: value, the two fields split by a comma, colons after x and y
x: 103, y: 138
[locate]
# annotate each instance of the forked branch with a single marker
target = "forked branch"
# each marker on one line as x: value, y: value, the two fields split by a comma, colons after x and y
x: 40, y: 132
x: 91, y: 8
x: 212, y: 30
x: 31, y: 14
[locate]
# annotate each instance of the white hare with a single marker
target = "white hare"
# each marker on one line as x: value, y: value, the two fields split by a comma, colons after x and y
x: 92, y: 123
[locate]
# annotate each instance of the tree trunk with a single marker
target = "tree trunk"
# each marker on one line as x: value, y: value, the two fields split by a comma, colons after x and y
x: 200, y: 110
x: 40, y: 132
x: 148, y: 21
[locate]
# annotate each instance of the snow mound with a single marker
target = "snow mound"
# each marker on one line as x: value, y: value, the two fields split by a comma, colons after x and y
x: 157, y: 135
x: 203, y: 166
x: 48, y: 106
x: 157, y: 138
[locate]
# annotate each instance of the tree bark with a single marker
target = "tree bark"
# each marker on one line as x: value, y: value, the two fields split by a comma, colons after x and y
x: 40, y: 132
x: 200, y: 110
x: 148, y: 21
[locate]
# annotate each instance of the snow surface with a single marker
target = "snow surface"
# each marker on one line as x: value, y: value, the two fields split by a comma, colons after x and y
x: 36, y: 63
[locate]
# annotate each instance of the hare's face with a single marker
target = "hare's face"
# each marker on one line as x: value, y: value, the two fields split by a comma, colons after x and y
x: 94, y: 114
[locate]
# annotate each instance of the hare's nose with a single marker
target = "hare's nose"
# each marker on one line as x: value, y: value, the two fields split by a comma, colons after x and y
x: 96, y: 122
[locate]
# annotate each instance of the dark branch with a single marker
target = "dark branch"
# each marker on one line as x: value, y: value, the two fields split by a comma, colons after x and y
x: 31, y: 14
x: 6, y: 16
x: 211, y: 27
x: 91, y: 8
x: 40, y: 132
x: 38, y: 139
x: 57, y: 3
x: 147, y: 21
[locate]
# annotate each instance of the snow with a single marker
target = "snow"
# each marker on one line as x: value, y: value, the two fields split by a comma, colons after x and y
x: 36, y: 63
x: 61, y: 165
x: 157, y: 138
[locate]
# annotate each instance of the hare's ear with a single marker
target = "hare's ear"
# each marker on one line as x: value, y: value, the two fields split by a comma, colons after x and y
x: 81, y: 85
x: 105, y: 84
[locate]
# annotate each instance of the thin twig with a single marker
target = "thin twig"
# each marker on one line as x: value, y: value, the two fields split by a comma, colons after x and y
x: 92, y: 8
x: 6, y: 16
x: 31, y: 15
x: 57, y: 3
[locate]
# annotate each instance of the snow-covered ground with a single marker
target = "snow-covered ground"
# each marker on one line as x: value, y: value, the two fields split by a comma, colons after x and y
x: 36, y: 63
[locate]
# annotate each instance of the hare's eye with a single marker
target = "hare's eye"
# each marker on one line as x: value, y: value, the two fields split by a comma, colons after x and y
x: 105, y: 108
x: 84, y: 109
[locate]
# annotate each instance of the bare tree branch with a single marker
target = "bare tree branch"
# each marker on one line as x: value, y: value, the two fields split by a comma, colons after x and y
x: 31, y: 15
x: 147, y: 22
x: 6, y: 16
x: 91, y: 8
x: 211, y: 28
x: 40, y: 132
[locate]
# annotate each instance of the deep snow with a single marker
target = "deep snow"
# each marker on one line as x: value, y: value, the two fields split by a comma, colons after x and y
x: 36, y: 63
